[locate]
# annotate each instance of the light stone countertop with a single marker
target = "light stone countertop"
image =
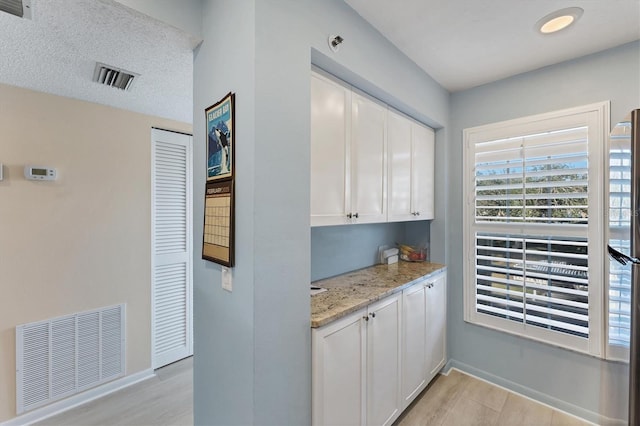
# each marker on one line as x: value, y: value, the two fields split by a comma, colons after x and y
x: 352, y: 291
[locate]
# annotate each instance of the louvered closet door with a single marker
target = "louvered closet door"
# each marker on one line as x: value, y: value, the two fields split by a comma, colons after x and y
x: 171, y: 245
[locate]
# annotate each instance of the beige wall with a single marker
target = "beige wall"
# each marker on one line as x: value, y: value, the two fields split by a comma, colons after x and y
x: 82, y: 241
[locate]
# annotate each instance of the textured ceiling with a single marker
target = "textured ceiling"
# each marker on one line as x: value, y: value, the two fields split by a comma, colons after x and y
x: 57, y: 50
x: 460, y: 43
x: 466, y: 43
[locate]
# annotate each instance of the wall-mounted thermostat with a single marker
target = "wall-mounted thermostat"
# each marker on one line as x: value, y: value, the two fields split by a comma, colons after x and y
x: 39, y: 173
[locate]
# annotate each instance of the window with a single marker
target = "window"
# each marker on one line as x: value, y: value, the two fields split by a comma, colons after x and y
x: 619, y: 294
x: 534, y: 226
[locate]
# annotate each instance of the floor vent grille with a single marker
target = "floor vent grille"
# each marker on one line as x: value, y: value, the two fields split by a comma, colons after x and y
x: 19, y: 8
x: 63, y: 356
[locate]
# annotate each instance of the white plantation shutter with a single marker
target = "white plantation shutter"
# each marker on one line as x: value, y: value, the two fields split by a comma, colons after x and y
x: 535, y: 281
x: 535, y: 178
x: 619, y: 295
x: 533, y: 232
x: 171, y: 241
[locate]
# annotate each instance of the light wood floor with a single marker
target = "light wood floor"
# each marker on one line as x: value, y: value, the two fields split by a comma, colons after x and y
x: 166, y: 399
x: 456, y: 399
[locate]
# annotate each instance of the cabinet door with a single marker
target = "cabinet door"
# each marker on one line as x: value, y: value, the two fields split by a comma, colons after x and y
x: 383, y: 361
x: 399, y: 160
x: 338, y: 368
x: 423, y: 175
x: 330, y: 122
x: 368, y: 167
x: 436, y: 323
x: 414, y: 341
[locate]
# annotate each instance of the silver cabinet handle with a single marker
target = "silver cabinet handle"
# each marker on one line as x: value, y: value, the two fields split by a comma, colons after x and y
x: 349, y: 215
x: 365, y: 318
x: 372, y: 314
x: 355, y: 215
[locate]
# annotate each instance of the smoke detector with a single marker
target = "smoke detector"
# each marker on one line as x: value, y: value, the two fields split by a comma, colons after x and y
x: 112, y: 76
x: 19, y: 8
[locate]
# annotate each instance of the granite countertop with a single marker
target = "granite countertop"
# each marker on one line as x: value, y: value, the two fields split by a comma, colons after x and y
x: 355, y: 290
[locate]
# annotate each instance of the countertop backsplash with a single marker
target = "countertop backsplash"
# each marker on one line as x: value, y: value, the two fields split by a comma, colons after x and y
x: 337, y: 250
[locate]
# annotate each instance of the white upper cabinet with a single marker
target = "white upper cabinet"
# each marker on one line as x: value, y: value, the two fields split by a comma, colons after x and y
x: 368, y: 164
x: 411, y: 169
x: 422, y: 172
x: 330, y: 134
x: 368, y: 167
x: 348, y: 146
x: 399, y: 140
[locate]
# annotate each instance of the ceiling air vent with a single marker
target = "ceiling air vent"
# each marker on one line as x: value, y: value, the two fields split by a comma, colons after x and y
x: 20, y: 8
x: 114, y: 77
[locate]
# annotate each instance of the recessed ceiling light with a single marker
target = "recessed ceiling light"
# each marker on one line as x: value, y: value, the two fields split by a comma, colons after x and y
x: 558, y: 20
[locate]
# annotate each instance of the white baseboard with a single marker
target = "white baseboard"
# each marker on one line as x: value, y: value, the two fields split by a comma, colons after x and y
x: 542, y: 398
x: 79, y: 399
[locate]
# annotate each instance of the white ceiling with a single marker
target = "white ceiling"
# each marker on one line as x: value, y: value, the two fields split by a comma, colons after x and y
x: 460, y: 43
x: 466, y: 43
x: 57, y: 50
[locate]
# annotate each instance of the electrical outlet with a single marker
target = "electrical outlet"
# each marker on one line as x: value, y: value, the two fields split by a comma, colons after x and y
x: 227, y: 279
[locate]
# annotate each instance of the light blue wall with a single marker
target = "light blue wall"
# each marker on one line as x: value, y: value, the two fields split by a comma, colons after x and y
x: 224, y: 336
x: 339, y: 249
x: 577, y: 383
x: 252, y: 346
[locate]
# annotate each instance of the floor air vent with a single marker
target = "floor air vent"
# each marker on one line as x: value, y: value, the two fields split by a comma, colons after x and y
x: 64, y: 356
x: 20, y: 8
x: 114, y: 77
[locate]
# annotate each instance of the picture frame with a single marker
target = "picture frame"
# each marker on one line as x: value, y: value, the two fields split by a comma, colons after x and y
x: 220, y: 126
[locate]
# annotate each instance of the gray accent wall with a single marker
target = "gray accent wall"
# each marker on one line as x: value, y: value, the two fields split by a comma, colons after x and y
x: 577, y: 383
x: 253, y: 345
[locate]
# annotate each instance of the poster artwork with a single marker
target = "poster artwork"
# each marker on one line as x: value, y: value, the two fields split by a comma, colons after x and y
x: 220, y: 139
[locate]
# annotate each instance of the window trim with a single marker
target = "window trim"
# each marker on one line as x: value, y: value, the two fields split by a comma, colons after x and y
x: 596, y: 116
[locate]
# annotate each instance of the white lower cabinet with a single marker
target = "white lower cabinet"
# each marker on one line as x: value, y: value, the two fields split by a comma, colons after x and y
x: 370, y: 365
x: 383, y: 361
x: 356, y: 367
x: 414, y: 342
x: 338, y: 367
x: 436, y: 324
x: 423, y: 339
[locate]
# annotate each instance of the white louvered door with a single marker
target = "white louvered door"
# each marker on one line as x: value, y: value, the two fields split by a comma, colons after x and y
x: 172, y: 326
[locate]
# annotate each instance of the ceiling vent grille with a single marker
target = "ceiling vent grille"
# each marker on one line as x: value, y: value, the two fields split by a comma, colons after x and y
x: 114, y: 77
x: 20, y: 8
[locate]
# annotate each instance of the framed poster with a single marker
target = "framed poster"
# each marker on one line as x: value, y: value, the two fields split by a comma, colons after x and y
x: 219, y: 226
x: 220, y: 118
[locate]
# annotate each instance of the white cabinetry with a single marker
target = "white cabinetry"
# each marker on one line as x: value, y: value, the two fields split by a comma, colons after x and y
x: 348, y: 145
x: 338, y: 371
x: 411, y: 153
x: 330, y: 131
x: 368, y: 166
x: 436, y: 324
x: 423, y: 339
x: 356, y: 367
x: 414, y: 342
x: 384, y: 402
